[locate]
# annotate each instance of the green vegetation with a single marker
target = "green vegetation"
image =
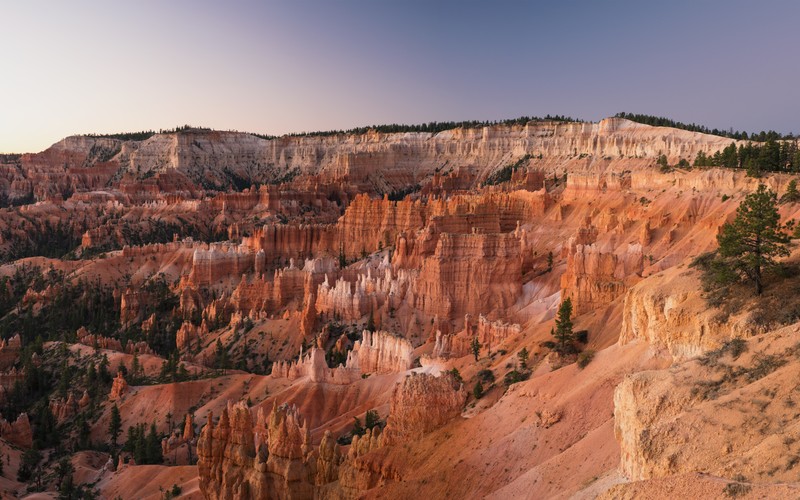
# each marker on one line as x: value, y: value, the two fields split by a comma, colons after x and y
x: 125, y: 136
x: 477, y: 391
x: 114, y: 426
x: 737, y: 488
x: 42, y: 239
x: 475, y: 347
x: 522, y: 356
x: 434, y: 127
x: 771, y: 156
x: 69, y: 306
x: 585, y: 358
x: 505, y: 173
x: 146, y: 134
x: 221, y: 359
x: 29, y: 466
x: 486, y: 376
x: 563, y: 334
x: 456, y: 375
x: 144, y: 446
x: 660, y: 121
x: 515, y: 376
x: 748, y: 245
x: 792, y: 195
x: 371, y: 420
x: 399, y: 194
x: 6, y: 202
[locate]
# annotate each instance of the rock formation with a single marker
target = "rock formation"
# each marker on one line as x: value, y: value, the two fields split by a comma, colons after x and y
x: 724, y: 413
x: 18, y: 432
x: 237, y: 459
x: 380, y: 352
x: 118, y: 388
x: 596, y: 273
x: 9, y: 352
x: 421, y: 404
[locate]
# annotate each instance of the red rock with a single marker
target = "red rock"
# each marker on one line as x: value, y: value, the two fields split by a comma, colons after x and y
x: 421, y: 404
x: 18, y: 432
x: 118, y: 388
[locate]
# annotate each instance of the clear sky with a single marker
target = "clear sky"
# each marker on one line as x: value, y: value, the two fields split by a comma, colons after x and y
x: 297, y: 65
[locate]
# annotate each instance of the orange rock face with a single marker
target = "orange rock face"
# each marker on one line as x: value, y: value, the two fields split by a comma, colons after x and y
x: 596, y: 273
x: 118, y: 388
x: 237, y: 459
x: 422, y: 403
x: 18, y: 432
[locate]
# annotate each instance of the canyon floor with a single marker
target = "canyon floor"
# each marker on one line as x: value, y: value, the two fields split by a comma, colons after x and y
x: 203, y: 314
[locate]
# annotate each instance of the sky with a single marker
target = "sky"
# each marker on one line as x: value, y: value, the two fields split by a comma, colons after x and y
x: 276, y: 67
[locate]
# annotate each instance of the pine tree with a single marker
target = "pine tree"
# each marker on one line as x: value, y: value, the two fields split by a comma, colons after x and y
x: 371, y: 419
x: 750, y: 243
x: 221, y: 356
x: 475, y: 346
x: 792, y: 194
x: 102, y: 371
x: 358, y: 429
x: 371, y: 321
x: 662, y: 162
x: 563, y: 331
x: 549, y: 261
x: 522, y: 356
x: 114, y: 426
x: 753, y: 168
x: 66, y: 484
x: 84, y: 432
x: 135, y: 368
x: 153, y: 451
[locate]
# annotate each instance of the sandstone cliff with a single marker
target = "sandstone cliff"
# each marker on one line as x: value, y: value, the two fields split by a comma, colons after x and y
x: 728, y: 413
x: 668, y: 311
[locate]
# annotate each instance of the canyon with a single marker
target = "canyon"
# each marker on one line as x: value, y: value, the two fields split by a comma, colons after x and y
x: 370, y: 315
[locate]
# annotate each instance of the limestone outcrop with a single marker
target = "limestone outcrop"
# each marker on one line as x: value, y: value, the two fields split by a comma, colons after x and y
x: 18, y: 432
x: 724, y: 413
x: 312, y: 365
x: 173, y: 161
x: 380, y: 352
x: 9, y: 352
x: 598, y: 272
x: 490, y: 335
x: 265, y: 460
x: 669, y: 312
x: 469, y: 273
x: 420, y: 404
x: 119, y: 387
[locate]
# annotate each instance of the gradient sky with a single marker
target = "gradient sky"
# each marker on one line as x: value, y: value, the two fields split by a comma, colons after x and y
x: 289, y: 66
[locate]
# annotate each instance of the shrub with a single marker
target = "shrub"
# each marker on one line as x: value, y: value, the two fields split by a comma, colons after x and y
x: 585, y: 358
x: 737, y: 488
x: 456, y: 375
x: 515, y: 376
x: 486, y: 376
x: 477, y: 391
x: 372, y: 419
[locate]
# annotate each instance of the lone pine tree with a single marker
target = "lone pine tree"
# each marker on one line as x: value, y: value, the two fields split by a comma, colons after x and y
x: 750, y: 243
